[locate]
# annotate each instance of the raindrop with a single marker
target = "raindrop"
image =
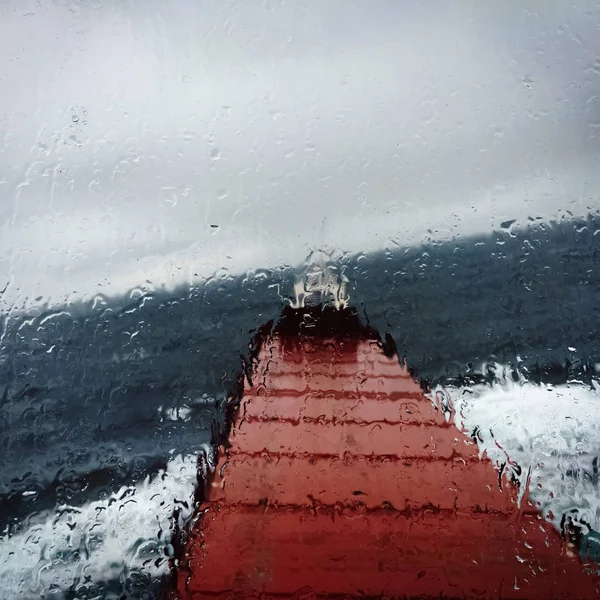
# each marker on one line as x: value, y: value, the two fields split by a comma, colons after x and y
x: 222, y: 194
x: 527, y: 82
x: 215, y: 154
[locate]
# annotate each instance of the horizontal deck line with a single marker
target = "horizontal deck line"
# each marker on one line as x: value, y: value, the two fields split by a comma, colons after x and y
x: 341, y: 421
x: 329, y: 393
x: 349, y: 456
x: 411, y: 512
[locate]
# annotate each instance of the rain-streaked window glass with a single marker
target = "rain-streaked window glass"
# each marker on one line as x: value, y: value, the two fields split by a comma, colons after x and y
x: 299, y: 299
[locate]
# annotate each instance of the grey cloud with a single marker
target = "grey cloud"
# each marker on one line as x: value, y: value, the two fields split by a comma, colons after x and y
x: 130, y: 129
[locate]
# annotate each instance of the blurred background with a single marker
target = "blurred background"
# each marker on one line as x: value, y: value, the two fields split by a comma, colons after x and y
x: 169, y: 172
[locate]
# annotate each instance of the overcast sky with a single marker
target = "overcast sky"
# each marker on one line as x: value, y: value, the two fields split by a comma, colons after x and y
x: 151, y: 140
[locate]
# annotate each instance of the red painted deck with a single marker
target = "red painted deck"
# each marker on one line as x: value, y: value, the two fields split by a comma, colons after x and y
x: 343, y: 480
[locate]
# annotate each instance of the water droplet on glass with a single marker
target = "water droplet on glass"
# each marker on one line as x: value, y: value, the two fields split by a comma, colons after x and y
x: 527, y: 82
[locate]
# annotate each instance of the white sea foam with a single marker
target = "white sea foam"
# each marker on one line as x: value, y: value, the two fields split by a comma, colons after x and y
x: 102, y: 540
x: 552, y: 433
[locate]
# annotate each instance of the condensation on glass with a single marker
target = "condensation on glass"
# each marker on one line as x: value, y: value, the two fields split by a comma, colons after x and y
x: 299, y: 300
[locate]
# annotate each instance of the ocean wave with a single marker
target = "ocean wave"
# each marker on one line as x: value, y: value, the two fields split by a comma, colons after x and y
x: 547, y: 436
x: 125, y: 535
